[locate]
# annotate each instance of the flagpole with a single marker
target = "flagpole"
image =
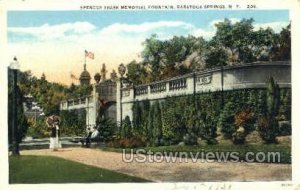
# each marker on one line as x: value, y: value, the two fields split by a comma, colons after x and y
x: 85, y: 59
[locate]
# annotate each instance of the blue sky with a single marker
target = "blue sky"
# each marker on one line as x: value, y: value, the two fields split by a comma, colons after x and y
x: 104, y: 18
x: 114, y: 36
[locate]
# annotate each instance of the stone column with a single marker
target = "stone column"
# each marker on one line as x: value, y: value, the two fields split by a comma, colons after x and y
x: 118, y: 100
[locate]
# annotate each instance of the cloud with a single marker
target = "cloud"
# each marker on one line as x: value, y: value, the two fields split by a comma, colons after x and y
x: 145, y: 27
x: 51, y: 32
x: 47, y: 47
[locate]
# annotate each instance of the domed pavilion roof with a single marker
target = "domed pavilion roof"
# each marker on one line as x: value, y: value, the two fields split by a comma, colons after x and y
x: 85, y: 76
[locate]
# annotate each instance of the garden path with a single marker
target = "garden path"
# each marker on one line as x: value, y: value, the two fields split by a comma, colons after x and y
x: 171, y: 172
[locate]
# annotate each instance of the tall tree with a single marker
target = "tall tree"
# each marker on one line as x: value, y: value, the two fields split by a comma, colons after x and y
x: 152, y: 55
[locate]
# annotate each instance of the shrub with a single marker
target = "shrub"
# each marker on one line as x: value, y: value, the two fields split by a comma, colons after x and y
x: 238, y: 137
x: 226, y: 121
x: 268, y: 124
x: 73, y: 122
x: 107, y: 129
x: 246, y: 120
x: 267, y: 129
x: 285, y: 128
x: 190, y: 139
x: 126, y: 131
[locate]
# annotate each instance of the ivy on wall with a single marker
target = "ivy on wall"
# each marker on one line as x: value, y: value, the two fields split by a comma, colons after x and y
x: 187, y: 118
x: 73, y: 122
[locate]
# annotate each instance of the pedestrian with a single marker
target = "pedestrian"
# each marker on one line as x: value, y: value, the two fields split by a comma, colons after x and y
x: 53, y: 124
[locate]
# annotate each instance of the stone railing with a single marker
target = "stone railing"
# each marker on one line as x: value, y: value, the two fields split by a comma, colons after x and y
x: 254, y: 75
x: 158, y: 87
x: 76, y: 103
x: 141, y: 90
x: 177, y: 84
x: 125, y: 92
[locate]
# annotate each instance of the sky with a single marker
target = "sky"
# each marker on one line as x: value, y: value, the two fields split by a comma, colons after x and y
x: 53, y: 42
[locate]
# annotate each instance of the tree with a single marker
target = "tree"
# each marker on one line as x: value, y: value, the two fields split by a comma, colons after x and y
x: 268, y: 124
x: 236, y: 37
x: 107, y: 129
x: 152, y: 55
x: 126, y: 131
x: 73, y: 122
x: 137, y: 118
x: 282, y: 48
x: 264, y: 41
x: 157, y: 123
x: 226, y: 121
x: 136, y: 73
x: 216, y: 57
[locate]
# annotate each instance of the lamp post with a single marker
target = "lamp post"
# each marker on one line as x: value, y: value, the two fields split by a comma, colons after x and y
x: 14, y: 67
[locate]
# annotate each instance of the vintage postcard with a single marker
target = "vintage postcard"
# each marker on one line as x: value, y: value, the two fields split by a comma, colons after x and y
x: 149, y: 94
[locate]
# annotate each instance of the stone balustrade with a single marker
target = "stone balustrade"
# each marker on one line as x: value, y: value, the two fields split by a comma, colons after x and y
x: 254, y: 75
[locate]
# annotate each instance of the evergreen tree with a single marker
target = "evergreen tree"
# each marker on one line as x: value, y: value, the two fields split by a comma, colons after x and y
x: 268, y: 126
x: 226, y: 121
x: 126, y: 128
x: 145, y: 118
x: 137, y: 118
x: 157, y: 123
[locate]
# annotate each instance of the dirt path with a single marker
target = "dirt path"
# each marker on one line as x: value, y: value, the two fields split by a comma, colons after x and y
x: 173, y: 171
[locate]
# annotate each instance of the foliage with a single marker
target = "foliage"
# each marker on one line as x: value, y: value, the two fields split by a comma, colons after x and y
x: 126, y: 128
x: 73, y: 122
x: 268, y: 124
x: 157, y: 124
x: 199, y: 116
x: 22, y: 124
x: 38, y: 128
x: 209, y: 106
x: 173, y: 127
x: 226, y: 121
x: 107, y: 129
x: 285, y: 128
x: 216, y: 57
x: 136, y: 73
x: 233, y: 43
x: 246, y: 120
x: 190, y: 139
x: 137, y: 118
x: 284, y: 112
x: 282, y: 48
x: 50, y: 94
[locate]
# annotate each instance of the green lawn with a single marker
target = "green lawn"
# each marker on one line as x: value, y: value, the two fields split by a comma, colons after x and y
x: 284, y: 150
x: 47, y: 169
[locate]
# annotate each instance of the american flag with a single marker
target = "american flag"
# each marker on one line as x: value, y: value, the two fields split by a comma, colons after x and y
x: 89, y: 54
x: 73, y: 76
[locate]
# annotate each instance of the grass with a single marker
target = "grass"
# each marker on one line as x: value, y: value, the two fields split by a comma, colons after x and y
x: 47, y: 169
x: 284, y: 150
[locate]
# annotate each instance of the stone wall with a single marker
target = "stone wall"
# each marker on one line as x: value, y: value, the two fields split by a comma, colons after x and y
x: 254, y: 75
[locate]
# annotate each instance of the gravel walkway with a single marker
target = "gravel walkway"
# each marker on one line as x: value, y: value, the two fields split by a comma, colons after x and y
x: 171, y: 172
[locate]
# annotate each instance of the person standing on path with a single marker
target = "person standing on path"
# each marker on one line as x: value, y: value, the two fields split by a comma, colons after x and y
x: 53, y: 123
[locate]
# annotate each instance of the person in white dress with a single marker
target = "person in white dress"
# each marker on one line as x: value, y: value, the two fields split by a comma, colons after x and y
x: 53, y: 124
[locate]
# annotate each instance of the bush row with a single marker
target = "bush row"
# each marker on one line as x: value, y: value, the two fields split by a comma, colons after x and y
x: 234, y: 113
